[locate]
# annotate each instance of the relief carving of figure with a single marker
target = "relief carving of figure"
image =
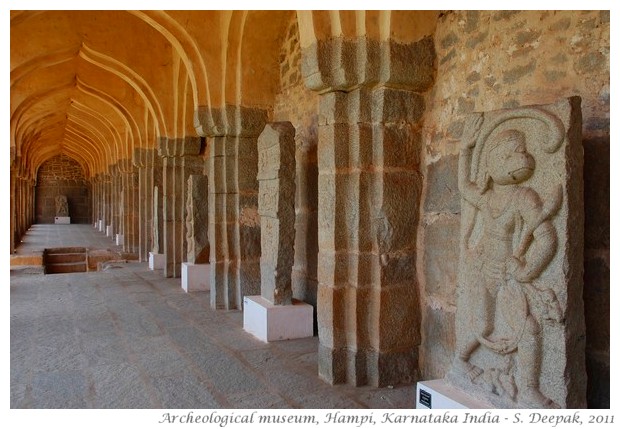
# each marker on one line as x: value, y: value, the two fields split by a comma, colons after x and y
x: 515, y: 244
x: 62, y: 206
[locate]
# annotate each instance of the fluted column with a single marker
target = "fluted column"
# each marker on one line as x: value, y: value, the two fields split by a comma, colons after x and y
x: 234, y: 224
x: 369, y: 191
x: 129, y: 201
x: 13, y: 223
x: 180, y: 160
x: 106, y: 188
x: 143, y: 160
x: 115, y: 200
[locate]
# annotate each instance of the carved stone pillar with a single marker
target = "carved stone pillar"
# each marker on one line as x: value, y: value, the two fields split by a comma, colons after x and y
x: 143, y: 161
x: 276, y: 176
x: 369, y: 191
x: 99, y: 202
x: 130, y: 208
x: 180, y: 159
x: 197, y: 219
x: 520, y: 330
x: 94, y: 203
x: 234, y: 226
x: 13, y: 208
x: 32, y: 183
x: 115, y: 201
x: 107, y: 201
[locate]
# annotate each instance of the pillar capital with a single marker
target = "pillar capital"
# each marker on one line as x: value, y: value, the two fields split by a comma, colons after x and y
x: 125, y: 166
x: 177, y: 147
x: 233, y: 121
x: 343, y: 64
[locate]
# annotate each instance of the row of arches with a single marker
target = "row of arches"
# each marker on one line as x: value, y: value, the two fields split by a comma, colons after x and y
x: 96, y: 85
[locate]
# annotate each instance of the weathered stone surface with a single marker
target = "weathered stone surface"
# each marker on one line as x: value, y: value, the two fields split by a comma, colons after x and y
x: 442, y: 193
x: 520, y: 319
x: 368, y: 204
x: 59, y: 176
x: 437, y: 342
x: 62, y: 207
x: 156, y: 225
x: 197, y: 224
x: 234, y: 224
x: 439, y: 272
x: 276, y: 207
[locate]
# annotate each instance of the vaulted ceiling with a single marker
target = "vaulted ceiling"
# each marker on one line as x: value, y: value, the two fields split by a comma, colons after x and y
x: 95, y: 85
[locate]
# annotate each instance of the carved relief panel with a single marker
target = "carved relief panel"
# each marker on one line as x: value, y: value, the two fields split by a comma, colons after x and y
x: 519, y: 307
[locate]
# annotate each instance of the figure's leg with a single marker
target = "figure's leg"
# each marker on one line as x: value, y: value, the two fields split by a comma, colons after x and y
x: 486, y: 315
x: 530, y: 357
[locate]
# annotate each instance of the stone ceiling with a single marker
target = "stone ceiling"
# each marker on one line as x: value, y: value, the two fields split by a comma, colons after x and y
x: 95, y: 85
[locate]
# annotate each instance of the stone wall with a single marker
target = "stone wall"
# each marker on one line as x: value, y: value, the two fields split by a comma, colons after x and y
x: 61, y: 175
x: 490, y: 60
x: 299, y: 105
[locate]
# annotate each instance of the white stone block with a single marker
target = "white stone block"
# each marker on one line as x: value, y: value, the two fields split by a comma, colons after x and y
x: 270, y: 322
x: 443, y: 396
x: 156, y: 261
x: 108, y: 231
x: 195, y: 277
x: 120, y: 238
x: 62, y: 220
x: 100, y: 225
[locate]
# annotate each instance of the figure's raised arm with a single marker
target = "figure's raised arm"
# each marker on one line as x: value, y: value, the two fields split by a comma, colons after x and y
x: 468, y: 189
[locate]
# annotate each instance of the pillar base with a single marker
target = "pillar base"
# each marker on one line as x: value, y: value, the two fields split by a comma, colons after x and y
x: 270, y: 322
x: 120, y: 239
x: 100, y: 225
x: 195, y: 277
x: 157, y: 261
x: 437, y: 394
x: 62, y: 220
x: 108, y: 231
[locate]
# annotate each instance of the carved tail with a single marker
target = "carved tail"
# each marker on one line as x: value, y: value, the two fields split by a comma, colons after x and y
x: 549, y: 210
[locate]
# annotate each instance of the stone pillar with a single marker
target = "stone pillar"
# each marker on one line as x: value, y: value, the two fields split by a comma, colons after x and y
x: 369, y: 191
x: 143, y: 161
x: 157, y: 226
x: 276, y: 207
x: 107, y: 201
x: 178, y: 164
x: 129, y: 205
x: 197, y: 219
x: 520, y: 330
x: 274, y: 315
x: 13, y: 208
x: 195, y: 272
x: 234, y: 226
x: 115, y: 200
x: 94, y: 184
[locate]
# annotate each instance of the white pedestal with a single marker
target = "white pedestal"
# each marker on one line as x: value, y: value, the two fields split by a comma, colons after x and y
x: 100, y: 225
x: 156, y: 261
x: 108, y: 231
x: 62, y: 220
x: 443, y: 396
x: 270, y: 322
x: 120, y: 238
x: 195, y: 277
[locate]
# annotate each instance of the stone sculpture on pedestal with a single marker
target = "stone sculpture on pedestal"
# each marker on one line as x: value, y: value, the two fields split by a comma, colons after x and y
x: 195, y: 272
x: 62, y: 207
x: 520, y: 326
x: 274, y: 315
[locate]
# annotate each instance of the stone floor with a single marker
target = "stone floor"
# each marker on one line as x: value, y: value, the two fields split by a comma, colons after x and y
x: 127, y: 337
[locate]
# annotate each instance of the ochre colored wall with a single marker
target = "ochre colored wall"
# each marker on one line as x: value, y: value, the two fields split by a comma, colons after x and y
x: 62, y: 175
x: 490, y: 60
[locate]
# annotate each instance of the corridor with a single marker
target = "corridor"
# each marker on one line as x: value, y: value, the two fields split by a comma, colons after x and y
x: 126, y: 337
